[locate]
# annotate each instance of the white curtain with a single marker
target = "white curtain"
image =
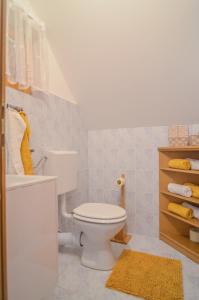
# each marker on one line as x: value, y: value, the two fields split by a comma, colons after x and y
x: 27, y: 54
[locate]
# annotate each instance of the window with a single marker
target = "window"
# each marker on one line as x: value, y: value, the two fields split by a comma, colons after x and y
x: 26, y: 51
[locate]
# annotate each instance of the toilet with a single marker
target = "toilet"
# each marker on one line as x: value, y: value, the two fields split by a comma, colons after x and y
x: 97, y: 222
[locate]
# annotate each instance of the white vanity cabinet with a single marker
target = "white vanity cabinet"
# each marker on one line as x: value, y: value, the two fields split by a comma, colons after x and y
x: 32, y: 247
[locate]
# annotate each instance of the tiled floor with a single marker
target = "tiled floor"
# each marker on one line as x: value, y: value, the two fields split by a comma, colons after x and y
x: 79, y: 283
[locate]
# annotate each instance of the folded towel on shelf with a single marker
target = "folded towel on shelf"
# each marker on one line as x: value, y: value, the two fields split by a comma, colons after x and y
x: 182, y: 164
x: 180, y: 210
x: 194, y: 163
x: 194, y: 188
x: 180, y: 189
x: 194, y: 208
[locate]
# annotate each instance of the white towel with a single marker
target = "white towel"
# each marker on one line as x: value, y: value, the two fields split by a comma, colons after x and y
x: 180, y: 189
x: 194, y: 208
x: 15, y: 128
x: 194, y: 163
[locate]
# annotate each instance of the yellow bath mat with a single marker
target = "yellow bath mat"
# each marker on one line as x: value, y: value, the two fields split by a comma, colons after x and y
x: 147, y: 276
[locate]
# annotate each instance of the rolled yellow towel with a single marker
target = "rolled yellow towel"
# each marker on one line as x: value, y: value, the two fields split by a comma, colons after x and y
x: 178, y: 209
x: 182, y: 164
x: 194, y: 188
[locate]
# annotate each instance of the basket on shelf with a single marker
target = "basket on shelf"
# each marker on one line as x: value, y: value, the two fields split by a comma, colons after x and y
x: 194, y: 140
x: 178, y: 135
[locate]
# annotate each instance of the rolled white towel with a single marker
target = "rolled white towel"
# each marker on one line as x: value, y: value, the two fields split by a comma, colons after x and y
x: 194, y: 163
x: 180, y: 189
x: 194, y: 208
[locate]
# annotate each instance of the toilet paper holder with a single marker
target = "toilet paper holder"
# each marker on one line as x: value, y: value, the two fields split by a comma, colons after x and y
x: 122, y: 237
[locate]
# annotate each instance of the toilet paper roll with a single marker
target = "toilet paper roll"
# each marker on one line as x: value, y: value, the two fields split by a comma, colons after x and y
x: 121, y: 181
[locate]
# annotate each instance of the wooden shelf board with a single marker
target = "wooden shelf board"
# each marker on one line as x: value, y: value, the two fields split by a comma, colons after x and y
x: 193, y: 222
x: 183, y: 243
x: 174, y: 149
x: 188, y: 199
x: 180, y: 171
x: 125, y: 240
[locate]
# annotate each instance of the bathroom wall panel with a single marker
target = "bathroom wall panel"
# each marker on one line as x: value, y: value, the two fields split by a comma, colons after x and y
x: 55, y: 124
x: 103, y: 156
x: 134, y: 153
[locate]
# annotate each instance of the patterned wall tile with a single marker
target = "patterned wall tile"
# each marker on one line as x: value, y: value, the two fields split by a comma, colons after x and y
x: 144, y: 216
x: 56, y: 124
x: 126, y: 159
x: 103, y: 156
x: 132, y: 152
x: 126, y: 138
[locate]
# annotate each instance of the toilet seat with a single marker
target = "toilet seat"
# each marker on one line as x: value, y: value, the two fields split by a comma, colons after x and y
x: 99, y: 213
x: 99, y: 221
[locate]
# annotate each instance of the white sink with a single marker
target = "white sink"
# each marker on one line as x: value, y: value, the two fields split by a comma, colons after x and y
x: 14, y: 181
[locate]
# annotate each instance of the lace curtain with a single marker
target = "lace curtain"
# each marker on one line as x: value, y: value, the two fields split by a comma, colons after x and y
x: 26, y: 50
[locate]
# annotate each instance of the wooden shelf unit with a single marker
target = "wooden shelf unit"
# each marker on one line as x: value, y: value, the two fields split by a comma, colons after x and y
x: 187, y: 199
x: 180, y: 171
x: 174, y: 229
x: 193, y: 222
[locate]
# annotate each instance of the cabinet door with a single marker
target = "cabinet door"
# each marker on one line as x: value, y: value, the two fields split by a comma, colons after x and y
x: 32, y: 241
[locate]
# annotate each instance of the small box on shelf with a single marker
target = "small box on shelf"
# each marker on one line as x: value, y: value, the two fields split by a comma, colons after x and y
x: 178, y: 135
x: 194, y: 140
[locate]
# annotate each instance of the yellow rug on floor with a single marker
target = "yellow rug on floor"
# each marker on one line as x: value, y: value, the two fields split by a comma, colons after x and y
x: 147, y: 276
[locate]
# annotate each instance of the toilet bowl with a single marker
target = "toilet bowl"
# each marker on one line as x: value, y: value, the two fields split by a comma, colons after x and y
x: 98, y: 223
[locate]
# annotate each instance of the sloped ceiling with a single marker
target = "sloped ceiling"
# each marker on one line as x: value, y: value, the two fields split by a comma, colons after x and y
x: 128, y: 62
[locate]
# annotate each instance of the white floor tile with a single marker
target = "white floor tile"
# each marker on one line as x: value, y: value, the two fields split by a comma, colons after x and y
x: 79, y: 283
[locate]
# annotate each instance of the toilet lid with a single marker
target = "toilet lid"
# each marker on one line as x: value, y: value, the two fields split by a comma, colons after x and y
x: 100, y: 211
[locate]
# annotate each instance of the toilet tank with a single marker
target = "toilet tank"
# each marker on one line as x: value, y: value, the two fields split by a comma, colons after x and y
x: 62, y: 164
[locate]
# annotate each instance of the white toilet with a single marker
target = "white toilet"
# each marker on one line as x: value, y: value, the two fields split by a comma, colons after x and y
x: 98, y: 222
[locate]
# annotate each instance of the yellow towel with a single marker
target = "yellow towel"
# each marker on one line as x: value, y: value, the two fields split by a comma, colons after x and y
x: 182, y: 164
x: 178, y: 209
x: 25, y: 148
x: 194, y: 188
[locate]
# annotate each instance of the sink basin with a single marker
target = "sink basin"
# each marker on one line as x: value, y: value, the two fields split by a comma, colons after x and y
x: 14, y: 181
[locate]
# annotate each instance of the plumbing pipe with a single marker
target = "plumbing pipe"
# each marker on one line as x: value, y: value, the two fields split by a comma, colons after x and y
x: 63, y: 207
x: 75, y: 237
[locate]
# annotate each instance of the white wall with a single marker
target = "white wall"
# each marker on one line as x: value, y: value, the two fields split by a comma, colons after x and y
x: 57, y: 84
x: 129, y: 62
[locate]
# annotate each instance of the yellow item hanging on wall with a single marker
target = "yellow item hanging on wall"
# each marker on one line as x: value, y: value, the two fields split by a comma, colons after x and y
x: 194, y: 188
x: 182, y: 164
x: 180, y: 210
x: 25, y: 148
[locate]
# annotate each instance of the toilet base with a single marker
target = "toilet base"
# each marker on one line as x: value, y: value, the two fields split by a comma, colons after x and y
x: 98, y: 256
x: 95, y: 238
